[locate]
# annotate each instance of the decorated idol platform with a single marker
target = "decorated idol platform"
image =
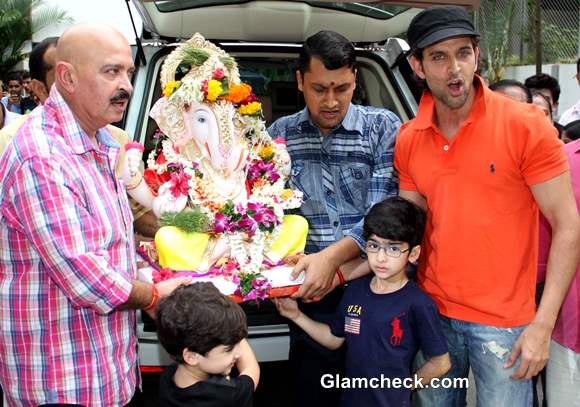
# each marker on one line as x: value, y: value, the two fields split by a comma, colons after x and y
x: 216, y: 180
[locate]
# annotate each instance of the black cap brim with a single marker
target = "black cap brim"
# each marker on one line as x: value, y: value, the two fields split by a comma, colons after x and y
x: 444, y: 34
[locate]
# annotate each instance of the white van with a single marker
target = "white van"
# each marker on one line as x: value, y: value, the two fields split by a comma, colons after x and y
x: 264, y: 37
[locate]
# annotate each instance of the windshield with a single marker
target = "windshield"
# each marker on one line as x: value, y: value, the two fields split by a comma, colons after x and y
x: 369, y: 9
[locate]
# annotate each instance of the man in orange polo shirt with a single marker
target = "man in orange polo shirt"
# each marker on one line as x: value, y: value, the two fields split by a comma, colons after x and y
x: 481, y: 165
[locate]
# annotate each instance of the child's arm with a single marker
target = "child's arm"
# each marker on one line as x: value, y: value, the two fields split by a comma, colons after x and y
x: 355, y: 268
x: 247, y: 363
x: 436, y: 366
x: 287, y: 307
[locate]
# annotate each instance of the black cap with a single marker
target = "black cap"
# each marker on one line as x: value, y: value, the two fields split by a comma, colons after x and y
x: 437, y: 24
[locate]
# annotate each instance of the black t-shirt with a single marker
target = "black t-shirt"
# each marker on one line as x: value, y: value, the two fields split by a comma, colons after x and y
x: 217, y: 391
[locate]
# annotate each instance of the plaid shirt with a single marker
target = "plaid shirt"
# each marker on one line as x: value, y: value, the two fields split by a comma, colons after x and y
x: 66, y: 262
x: 343, y: 173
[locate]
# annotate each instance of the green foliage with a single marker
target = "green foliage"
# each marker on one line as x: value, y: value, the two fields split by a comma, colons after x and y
x: 499, y: 29
x: 559, y: 44
x: 194, y: 56
x: 229, y: 210
x: 19, y: 20
x: 246, y: 280
x: 189, y: 221
x: 228, y: 61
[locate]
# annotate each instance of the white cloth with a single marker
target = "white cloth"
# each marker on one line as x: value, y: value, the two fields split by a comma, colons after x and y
x: 573, y: 113
x: 563, y: 376
x: 9, y: 116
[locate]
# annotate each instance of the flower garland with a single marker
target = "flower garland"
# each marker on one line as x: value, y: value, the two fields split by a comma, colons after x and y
x: 249, y: 228
x: 217, y: 88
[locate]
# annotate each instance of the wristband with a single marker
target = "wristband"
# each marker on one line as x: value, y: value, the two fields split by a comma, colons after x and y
x: 134, y: 145
x: 154, y: 299
x: 341, y: 279
x: 129, y: 187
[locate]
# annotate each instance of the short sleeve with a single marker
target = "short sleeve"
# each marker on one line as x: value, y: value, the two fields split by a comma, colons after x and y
x: 427, y: 327
x: 337, y: 322
x: 402, y: 159
x: 542, y: 155
x: 243, y: 391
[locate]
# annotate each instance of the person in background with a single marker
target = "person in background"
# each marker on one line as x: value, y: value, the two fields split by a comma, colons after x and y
x: 68, y: 287
x: 481, y: 164
x: 206, y: 334
x: 25, y: 79
x: 563, y: 368
x: 342, y: 161
x: 12, y: 101
x: 512, y: 89
x: 573, y: 112
x: 571, y: 131
x: 28, y: 102
x: 550, y: 88
x: 543, y: 102
x: 6, y: 117
x: 546, y: 84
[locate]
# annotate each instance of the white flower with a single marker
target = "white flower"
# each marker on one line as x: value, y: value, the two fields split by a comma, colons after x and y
x: 188, y: 93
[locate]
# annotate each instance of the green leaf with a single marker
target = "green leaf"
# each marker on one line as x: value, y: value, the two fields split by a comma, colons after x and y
x: 189, y: 220
x: 246, y: 282
x: 19, y: 21
x: 194, y: 56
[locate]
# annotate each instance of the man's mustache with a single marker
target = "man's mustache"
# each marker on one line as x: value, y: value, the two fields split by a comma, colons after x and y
x: 120, y: 96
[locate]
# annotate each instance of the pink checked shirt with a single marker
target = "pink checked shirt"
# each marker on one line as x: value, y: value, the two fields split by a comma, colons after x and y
x: 66, y: 262
x: 567, y: 329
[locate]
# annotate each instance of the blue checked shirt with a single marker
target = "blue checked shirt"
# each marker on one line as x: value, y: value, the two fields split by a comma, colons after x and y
x: 343, y: 173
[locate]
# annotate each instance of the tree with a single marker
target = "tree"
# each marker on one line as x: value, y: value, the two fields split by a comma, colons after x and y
x: 498, y: 30
x: 19, y: 20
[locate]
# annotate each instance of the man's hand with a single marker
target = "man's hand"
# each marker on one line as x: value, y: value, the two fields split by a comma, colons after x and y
x: 168, y: 286
x: 533, y: 346
x: 165, y: 288
x: 318, y: 281
x: 132, y: 161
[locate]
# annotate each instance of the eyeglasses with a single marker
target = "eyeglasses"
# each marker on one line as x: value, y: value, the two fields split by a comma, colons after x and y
x: 390, y: 249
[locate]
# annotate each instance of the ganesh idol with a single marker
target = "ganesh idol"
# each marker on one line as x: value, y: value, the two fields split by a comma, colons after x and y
x: 216, y: 179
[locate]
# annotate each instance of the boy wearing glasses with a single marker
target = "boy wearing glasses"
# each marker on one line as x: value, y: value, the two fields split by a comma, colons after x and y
x: 384, y: 318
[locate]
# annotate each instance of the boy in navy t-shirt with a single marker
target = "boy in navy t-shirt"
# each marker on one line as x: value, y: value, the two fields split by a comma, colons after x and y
x: 384, y: 318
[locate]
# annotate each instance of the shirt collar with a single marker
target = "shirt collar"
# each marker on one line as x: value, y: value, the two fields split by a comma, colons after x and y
x: 426, y: 113
x: 70, y: 129
x: 349, y: 123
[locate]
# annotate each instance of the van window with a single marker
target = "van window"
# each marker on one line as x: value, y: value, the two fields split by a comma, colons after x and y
x: 273, y: 80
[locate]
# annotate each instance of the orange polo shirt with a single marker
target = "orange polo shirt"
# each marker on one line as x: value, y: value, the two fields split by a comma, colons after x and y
x: 479, y: 255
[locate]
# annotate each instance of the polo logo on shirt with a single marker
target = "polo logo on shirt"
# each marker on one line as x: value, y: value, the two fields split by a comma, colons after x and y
x: 397, y: 332
x: 492, y: 168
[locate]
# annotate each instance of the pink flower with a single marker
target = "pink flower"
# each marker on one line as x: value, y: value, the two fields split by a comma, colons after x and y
x: 248, y: 224
x: 221, y: 223
x: 179, y: 184
x: 162, y: 275
x: 264, y: 169
x: 203, y: 87
x: 218, y: 74
x: 250, y: 99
